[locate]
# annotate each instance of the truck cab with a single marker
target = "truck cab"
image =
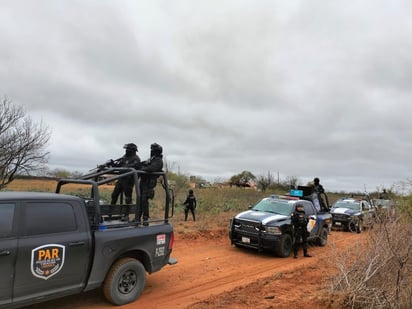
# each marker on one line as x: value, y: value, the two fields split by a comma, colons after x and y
x: 44, y: 237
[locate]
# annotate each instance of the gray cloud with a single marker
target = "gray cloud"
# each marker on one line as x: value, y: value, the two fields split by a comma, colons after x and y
x: 297, y: 88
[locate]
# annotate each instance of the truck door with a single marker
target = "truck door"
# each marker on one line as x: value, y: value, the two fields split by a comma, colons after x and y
x: 367, y: 212
x: 8, y: 245
x: 311, y: 212
x: 54, y: 250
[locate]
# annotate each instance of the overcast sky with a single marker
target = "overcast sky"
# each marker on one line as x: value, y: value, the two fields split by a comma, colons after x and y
x: 294, y: 88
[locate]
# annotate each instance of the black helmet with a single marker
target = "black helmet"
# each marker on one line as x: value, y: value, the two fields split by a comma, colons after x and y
x: 190, y: 191
x: 316, y: 180
x: 130, y: 147
x: 156, y: 149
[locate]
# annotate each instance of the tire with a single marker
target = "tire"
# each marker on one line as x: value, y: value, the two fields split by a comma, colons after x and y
x: 352, y: 226
x: 125, y: 281
x: 323, y: 237
x: 285, y: 246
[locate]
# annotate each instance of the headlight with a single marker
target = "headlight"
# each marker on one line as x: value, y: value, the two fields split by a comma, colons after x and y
x: 275, y: 230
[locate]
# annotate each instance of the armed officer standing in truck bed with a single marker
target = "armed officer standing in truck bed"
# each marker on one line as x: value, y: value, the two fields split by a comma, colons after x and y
x: 148, y: 182
x: 125, y: 185
x: 320, y: 191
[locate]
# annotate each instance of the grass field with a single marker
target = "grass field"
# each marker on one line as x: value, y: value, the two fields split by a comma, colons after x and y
x: 215, y: 205
x: 42, y: 185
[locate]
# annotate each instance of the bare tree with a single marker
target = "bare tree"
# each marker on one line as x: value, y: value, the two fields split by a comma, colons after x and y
x: 264, y: 182
x: 291, y: 181
x: 22, y: 143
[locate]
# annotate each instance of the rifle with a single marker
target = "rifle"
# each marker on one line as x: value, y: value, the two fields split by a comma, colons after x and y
x: 108, y: 163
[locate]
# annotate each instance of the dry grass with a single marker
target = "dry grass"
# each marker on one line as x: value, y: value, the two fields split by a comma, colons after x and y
x: 44, y: 185
x: 378, y: 274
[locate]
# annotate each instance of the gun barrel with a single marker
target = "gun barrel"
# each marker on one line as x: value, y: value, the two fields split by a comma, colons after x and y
x: 108, y: 163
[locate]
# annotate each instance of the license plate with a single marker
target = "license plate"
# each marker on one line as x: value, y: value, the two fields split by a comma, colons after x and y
x: 338, y: 223
x: 246, y: 240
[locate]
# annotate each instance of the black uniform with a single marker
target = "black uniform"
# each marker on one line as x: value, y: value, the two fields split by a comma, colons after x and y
x: 318, y: 189
x: 384, y: 195
x: 148, y: 182
x: 300, y: 223
x: 125, y: 184
x: 190, y: 204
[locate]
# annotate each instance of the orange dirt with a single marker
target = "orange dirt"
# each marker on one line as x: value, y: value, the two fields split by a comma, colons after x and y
x: 211, y: 273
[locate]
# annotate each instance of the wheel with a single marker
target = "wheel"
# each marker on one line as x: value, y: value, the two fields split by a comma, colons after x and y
x: 352, y: 225
x: 125, y: 281
x: 323, y: 237
x: 285, y: 246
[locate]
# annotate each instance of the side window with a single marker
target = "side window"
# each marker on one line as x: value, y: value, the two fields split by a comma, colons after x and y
x: 49, y: 217
x: 309, y: 210
x: 6, y: 218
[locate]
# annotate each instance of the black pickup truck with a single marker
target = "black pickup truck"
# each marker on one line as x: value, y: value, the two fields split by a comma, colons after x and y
x: 55, y: 244
x: 267, y: 225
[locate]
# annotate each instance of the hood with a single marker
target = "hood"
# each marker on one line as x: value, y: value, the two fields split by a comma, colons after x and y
x: 342, y: 210
x: 260, y: 216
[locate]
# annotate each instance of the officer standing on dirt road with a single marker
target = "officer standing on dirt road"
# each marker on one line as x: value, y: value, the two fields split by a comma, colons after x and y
x: 190, y: 204
x: 148, y: 182
x: 300, y: 223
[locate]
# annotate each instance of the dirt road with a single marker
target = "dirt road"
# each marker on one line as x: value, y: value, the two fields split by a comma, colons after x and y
x: 210, y: 273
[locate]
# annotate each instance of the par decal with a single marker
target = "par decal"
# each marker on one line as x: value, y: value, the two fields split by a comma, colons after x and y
x: 47, y: 260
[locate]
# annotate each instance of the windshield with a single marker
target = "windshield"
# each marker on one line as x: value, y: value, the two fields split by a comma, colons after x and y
x: 350, y: 205
x: 274, y: 206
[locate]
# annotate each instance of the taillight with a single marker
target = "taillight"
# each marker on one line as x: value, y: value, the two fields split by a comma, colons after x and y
x: 172, y: 241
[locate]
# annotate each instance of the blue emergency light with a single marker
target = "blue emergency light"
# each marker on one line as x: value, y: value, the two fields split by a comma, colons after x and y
x: 294, y: 192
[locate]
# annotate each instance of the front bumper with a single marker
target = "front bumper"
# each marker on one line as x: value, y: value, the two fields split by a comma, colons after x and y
x: 258, y: 241
x: 340, y: 221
